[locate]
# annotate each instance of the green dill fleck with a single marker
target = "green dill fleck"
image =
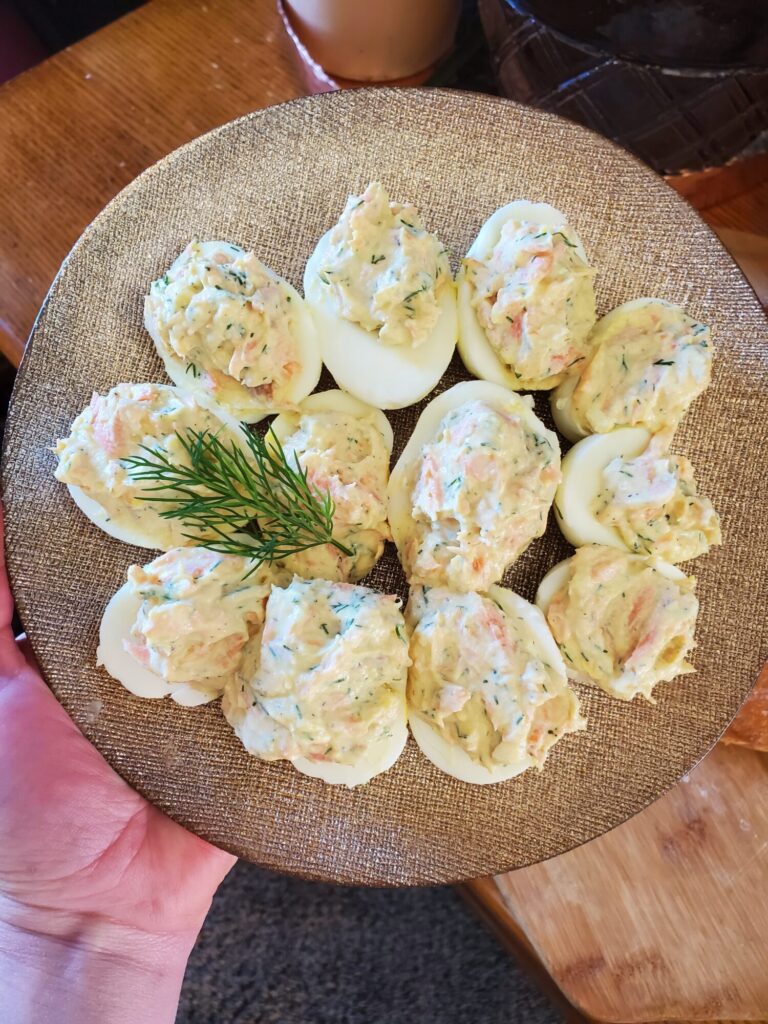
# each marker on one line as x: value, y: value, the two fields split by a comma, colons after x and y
x: 377, y: 259
x: 414, y: 294
x: 571, y: 245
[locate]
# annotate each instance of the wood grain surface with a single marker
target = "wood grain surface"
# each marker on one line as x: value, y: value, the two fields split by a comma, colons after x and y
x: 665, y: 917
x: 750, y: 727
x: 77, y: 128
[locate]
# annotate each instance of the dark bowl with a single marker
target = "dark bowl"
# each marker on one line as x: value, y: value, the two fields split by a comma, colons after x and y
x: 681, y: 83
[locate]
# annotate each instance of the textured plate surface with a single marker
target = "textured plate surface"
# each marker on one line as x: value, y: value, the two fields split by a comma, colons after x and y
x: 275, y: 181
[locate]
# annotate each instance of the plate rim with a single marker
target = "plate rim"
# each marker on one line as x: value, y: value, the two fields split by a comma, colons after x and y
x: 381, y: 92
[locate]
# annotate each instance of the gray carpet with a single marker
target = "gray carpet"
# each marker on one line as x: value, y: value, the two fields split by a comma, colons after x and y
x: 279, y: 951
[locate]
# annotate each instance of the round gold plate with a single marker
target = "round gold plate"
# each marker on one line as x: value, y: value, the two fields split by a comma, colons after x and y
x: 275, y: 181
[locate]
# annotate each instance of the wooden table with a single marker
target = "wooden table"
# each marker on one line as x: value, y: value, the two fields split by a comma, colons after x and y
x: 80, y: 126
x: 77, y: 128
x: 73, y: 132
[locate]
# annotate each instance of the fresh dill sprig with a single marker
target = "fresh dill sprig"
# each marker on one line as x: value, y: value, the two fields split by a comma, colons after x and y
x: 253, y: 504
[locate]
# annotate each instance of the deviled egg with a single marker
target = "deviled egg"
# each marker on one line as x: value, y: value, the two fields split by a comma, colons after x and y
x: 473, y: 486
x: 184, y: 625
x: 120, y: 425
x: 230, y: 329
x: 344, y: 446
x: 627, y: 490
x: 380, y: 288
x: 622, y: 622
x: 488, y: 694
x: 328, y: 690
x: 525, y: 297
x: 649, y: 360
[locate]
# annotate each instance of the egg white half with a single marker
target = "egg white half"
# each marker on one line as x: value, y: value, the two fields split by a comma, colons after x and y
x: 398, y: 492
x: 477, y: 353
x: 119, y: 616
x: 305, y: 336
x: 582, y: 480
x: 98, y: 515
x: 141, y: 534
x: 385, y: 376
x: 450, y: 757
x: 379, y: 757
x: 331, y: 401
x: 560, y: 399
x: 326, y: 562
x: 560, y: 404
x: 557, y: 578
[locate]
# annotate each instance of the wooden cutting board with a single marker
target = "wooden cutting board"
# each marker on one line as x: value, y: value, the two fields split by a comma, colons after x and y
x: 666, y: 917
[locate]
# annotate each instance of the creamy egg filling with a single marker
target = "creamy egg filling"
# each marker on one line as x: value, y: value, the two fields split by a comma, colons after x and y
x: 384, y: 270
x: 649, y: 363
x: 347, y: 456
x: 654, y: 504
x: 477, y: 678
x: 534, y: 299
x: 331, y: 675
x: 479, y: 494
x: 115, y: 426
x: 230, y: 321
x: 622, y: 624
x: 199, y: 613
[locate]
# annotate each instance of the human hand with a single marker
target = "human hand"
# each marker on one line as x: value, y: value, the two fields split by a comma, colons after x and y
x: 101, y: 895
